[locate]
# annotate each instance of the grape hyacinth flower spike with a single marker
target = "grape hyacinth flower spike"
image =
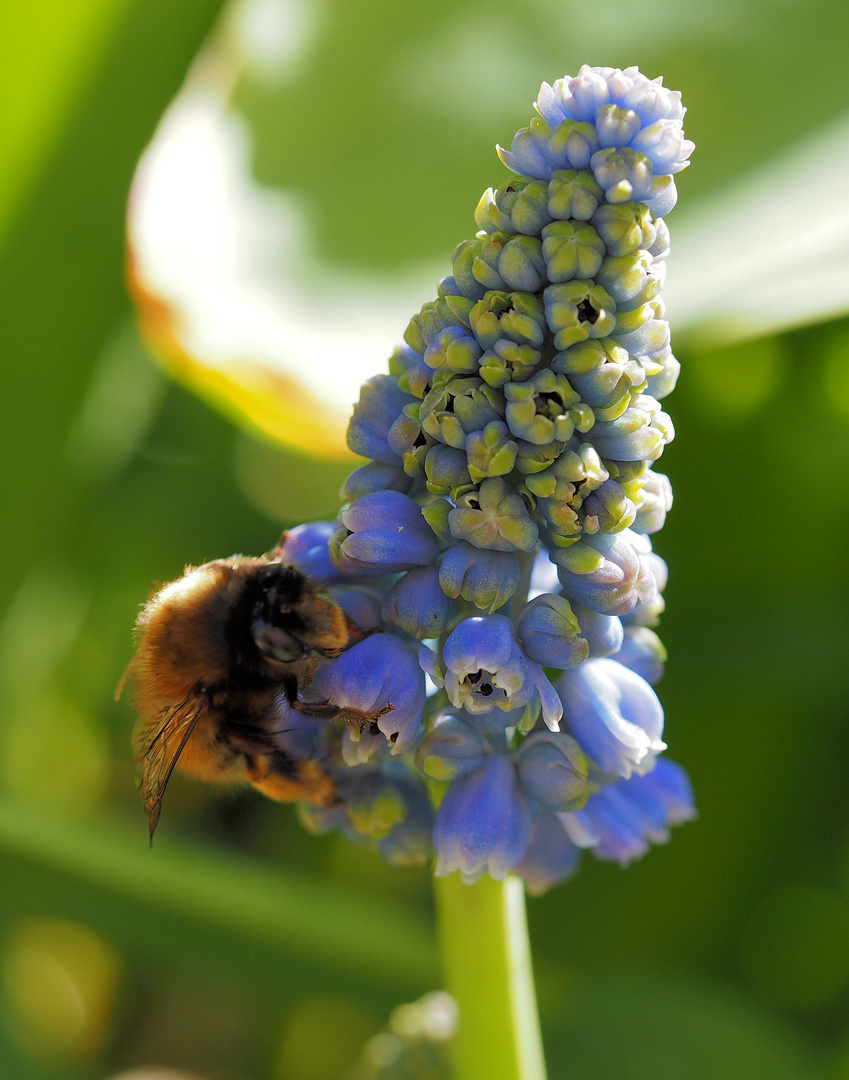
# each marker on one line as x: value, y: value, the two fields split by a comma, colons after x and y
x: 495, y: 551
x: 516, y: 436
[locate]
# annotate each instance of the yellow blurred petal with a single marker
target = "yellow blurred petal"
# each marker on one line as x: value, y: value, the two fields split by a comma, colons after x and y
x: 250, y: 393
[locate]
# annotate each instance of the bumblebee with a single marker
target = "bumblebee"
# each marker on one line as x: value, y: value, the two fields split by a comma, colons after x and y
x: 218, y: 652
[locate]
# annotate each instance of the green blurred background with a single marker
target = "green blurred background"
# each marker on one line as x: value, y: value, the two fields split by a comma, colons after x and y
x: 239, y: 947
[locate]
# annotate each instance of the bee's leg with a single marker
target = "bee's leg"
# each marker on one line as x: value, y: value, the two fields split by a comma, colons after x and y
x: 288, y: 779
x: 360, y: 719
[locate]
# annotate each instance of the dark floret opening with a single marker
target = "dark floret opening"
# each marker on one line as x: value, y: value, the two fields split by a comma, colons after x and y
x: 586, y: 312
x: 545, y: 400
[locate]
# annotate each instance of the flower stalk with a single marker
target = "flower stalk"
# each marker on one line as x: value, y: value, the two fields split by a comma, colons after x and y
x: 486, y: 960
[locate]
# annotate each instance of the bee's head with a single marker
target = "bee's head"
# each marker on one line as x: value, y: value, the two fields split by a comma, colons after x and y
x: 278, y: 627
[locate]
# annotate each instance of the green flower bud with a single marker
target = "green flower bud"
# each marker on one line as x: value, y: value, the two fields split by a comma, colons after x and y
x: 574, y: 141
x: 607, y: 509
x: 562, y: 488
x: 640, y: 433
x: 376, y: 817
x: 454, y: 350
x: 545, y: 408
x: 650, y: 339
x: 653, y: 502
x: 625, y: 227
x: 629, y: 321
x: 493, y: 517
x: 573, y: 195
x: 589, y: 355
x: 631, y: 476
x: 488, y: 217
x: 451, y: 748
x: 475, y: 264
x: 562, y: 519
x: 625, y: 174
x: 532, y: 459
x: 401, y: 360
x: 625, y: 277
x: 576, y: 310
x: 436, y: 515
x: 434, y: 317
x: 445, y: 469
x: 416, y: 380
x: 521, y: 264
x: 490, y: 452
x: 508, y: 362
x: 571, y: 250
x: 451, y: 412
x: 610, y: 387
x: 519, y: 317
x: 521, y: 206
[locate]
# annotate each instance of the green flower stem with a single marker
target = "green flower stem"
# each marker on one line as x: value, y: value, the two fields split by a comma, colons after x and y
x: 520, y: 596
x: 486, y: 960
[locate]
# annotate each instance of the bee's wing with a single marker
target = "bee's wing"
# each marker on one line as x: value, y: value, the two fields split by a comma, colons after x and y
x: 159, y: 746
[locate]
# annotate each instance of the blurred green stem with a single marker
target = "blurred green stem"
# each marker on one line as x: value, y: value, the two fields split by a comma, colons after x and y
x: 486, y: 960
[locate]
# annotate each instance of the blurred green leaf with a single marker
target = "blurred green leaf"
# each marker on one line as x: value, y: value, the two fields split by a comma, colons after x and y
x: 643, y: 1024
x: 61, y: 258
x: 49, y: 53
x: 286, y: 911
x: 811, y: 967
